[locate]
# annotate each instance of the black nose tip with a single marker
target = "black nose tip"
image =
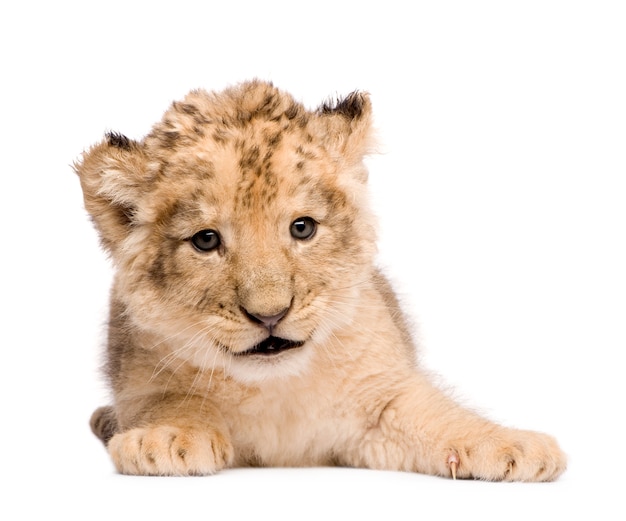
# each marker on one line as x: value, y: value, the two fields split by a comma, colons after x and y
x: 269, y: 321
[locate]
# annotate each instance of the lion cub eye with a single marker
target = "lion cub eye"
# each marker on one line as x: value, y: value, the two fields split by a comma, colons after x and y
x: 303, y: 228
x: 206, y: 240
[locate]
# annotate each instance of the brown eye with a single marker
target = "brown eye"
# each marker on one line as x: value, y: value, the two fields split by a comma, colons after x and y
x: 206, y: 240
x: 303, y: 228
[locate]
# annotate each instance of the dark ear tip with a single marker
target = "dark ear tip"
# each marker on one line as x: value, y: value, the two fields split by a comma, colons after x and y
x: 117, y: 140
x: 353, y: 106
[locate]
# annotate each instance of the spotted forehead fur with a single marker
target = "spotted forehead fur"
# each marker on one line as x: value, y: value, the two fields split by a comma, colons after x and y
x: 252, y: 123
x: 223, y: 115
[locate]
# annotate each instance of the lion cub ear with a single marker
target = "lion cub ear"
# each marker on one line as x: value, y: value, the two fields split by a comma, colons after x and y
x: 347, y: 125
x: 112, y: 174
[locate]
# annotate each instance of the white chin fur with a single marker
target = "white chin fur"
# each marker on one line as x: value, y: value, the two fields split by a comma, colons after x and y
x: 259, y: 368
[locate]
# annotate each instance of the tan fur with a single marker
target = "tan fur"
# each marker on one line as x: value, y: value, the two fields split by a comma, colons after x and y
x: 247, y: 163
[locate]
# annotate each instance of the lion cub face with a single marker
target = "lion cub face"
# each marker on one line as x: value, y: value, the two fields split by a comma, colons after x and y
x: 238, y: 226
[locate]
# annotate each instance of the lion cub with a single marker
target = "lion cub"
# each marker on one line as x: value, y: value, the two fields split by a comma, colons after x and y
x: 248, y: 323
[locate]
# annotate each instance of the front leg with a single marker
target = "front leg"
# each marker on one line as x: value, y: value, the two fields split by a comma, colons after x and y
x: 421, y: 429
x: 173, y: 435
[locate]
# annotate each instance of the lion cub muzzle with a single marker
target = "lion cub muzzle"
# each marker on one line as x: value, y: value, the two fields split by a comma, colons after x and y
x: 272, y: 345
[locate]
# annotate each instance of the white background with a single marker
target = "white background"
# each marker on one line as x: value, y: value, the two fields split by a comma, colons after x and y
x: 500, y: 191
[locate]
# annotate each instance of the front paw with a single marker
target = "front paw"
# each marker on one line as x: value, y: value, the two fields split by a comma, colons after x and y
x: 169, y: 451
x: 507, y: 455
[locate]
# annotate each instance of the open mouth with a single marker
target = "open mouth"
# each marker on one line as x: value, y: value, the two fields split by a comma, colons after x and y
x: 272, y: 345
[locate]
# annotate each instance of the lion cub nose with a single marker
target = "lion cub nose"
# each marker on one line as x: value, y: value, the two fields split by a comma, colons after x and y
x: 269, y: 321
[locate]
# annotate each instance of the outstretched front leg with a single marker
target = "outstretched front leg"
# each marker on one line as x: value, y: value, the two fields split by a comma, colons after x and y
x: 421, y: 429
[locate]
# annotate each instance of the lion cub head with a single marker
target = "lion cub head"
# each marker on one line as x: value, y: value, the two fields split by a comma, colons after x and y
x: 238, y: 227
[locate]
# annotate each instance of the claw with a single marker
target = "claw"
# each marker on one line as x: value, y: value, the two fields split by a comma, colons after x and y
x: 453, y: 463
